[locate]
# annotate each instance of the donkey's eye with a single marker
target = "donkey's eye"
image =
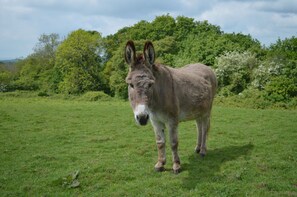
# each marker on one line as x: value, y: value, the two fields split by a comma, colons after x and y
x: 150, y: 85
x: 131, y: 85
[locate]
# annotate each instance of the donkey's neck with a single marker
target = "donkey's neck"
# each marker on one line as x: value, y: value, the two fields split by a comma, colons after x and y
x: 164, y: 93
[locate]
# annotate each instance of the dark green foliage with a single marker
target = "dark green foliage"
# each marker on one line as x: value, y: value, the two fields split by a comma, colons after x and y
x: 78, y: 62
x: 9, y: 72
x: 162, y: 27
x: 165, y: 49
x: 30, y: 74
x: 43, y: 94
x: 178, y: 41
x: 277, y: 74
x: 284, y: 50
x: 95, y: 96
x: 281, y: 88
x: 5, y: 80
x: 115, y: 72
x: 85, y: 61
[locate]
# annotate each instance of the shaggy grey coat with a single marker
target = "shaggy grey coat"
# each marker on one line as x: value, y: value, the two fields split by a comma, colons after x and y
x: 167, y: 96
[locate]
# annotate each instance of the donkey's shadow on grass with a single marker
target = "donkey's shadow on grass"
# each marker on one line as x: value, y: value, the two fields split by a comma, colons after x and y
x: 205, y: 169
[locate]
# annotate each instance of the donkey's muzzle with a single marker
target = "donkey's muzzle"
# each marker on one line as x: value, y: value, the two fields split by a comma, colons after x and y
x: 142, y: 119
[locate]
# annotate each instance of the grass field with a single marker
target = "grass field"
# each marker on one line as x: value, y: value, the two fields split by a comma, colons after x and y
x: 52, y: 147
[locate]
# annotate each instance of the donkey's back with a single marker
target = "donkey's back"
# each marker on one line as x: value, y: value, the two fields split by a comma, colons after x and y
x: 195, y: 88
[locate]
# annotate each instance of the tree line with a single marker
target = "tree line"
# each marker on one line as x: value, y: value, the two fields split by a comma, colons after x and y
x: 86, y: 61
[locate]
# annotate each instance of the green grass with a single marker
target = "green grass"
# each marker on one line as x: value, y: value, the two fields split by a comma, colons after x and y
x: 43, y: 141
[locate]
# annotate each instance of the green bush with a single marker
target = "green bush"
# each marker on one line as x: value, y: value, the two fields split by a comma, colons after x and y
x: 95, y: 96
x: 18, y: 94
x: 280, y: 88
x: 5, y: 81
x: 42, y: 94
x: 25, y: 84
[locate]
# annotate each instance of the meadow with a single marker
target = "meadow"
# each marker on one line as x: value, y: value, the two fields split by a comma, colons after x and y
x: 57, y: 147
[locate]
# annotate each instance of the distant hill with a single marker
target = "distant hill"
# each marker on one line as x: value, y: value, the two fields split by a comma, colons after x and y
x: 8, y: 64
x: 8, y: 61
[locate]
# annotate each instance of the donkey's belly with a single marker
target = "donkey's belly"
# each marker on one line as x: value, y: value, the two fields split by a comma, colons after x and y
x: 184, y: 116
x: 191, y: 108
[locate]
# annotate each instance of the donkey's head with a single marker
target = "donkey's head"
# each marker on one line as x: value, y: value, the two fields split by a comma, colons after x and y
x: 140, y: 80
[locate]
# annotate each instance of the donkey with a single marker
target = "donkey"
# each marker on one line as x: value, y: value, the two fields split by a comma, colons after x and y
x: 166, y: 96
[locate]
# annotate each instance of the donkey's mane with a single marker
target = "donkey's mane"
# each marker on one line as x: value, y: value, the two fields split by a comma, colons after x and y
x: 139, y: 58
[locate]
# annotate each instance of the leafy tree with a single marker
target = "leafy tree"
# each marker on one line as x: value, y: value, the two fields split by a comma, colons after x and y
x: 36, y: 69
x: 165, y: 49
x: 283, y: 50
x: 140, y: 30
x: 162, y: 27
x: 205, y: 26
x: 241, y: 42
x: 46, y: 47
x: 184, y: 27
x: 30, y: 74
x: 206, y: 45
x: 197, y: 48
x: 78, y: 62
x: 115, y: 71
x: 277, y: 74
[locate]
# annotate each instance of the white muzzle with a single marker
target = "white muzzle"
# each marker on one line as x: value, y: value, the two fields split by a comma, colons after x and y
x: 141, y: 114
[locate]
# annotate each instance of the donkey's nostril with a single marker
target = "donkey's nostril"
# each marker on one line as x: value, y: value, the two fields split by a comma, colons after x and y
x: 142, y: 119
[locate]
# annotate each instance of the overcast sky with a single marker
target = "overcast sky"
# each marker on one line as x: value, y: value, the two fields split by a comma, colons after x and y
x: 23, y: 21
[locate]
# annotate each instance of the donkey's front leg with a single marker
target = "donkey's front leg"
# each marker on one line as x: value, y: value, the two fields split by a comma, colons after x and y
x: 160, y: 140
x: 173, y: 135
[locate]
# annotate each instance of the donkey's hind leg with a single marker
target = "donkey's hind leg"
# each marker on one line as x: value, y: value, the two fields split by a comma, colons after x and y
x: 202, y: 130
x: 199, y: 135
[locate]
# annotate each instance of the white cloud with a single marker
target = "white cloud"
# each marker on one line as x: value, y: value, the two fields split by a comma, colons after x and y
x: 282, y: 6
x: 23, y: 21
x: 253, y: 18
x: 230, y: 16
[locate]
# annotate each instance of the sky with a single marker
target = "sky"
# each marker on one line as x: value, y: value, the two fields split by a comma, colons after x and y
x: 23, y: 21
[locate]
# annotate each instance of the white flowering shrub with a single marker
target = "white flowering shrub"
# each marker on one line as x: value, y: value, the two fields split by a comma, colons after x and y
x: 234, y: 71
x: 265, y: 72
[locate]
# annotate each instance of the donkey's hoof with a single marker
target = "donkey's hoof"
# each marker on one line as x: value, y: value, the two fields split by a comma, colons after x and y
x: 160, y: 169
x: 197, y: 150
x: 202, y: 152
x: 176, y: 171
x: 176, y: 168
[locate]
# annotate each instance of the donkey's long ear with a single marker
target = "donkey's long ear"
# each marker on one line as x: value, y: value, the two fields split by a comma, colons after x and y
x: 130, y: 54
x: 149, y: 52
